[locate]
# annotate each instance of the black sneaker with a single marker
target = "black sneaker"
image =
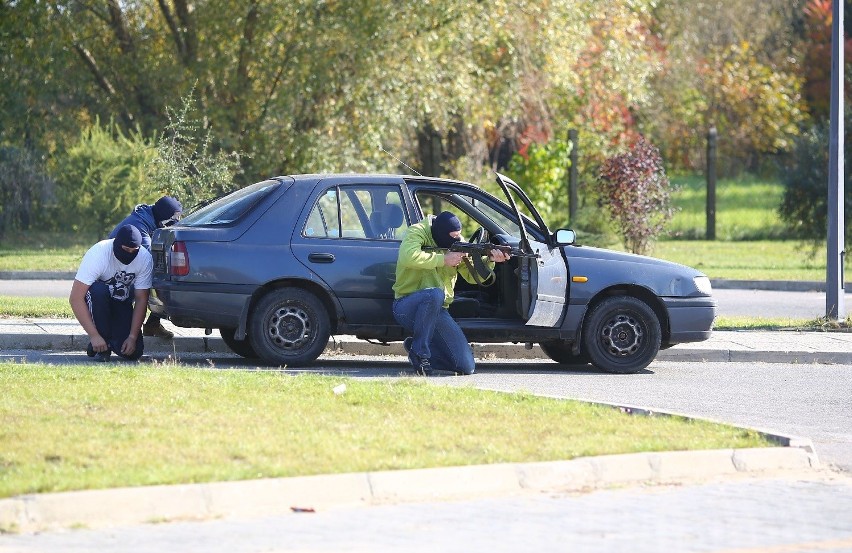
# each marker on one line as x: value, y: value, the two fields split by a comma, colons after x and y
x: 101, y: 356
x: 406, y: 344
x: 89, y: 350
x: 424, y: 368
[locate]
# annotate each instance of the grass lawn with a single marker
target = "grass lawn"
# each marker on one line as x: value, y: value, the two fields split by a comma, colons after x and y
x: 750, y: 235
x: 752, y: 260
x: 43, y: 251
x: 83, y: 427
x: 24, y: 307
x: 746, y: 208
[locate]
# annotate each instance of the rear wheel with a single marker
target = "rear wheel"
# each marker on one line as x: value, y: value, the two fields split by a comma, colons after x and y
x: 289, y: 326
x: 240, y: 347
x: 560, y: 351
x: 622, y: 335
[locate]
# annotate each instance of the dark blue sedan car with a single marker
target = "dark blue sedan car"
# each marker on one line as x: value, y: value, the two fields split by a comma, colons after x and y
x: 281, y: 265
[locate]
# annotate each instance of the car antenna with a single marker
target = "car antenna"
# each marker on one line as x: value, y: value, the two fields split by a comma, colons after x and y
x: 400, y: 161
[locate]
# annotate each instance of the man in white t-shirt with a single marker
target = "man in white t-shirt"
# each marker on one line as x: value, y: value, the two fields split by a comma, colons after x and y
x: 109, y: 296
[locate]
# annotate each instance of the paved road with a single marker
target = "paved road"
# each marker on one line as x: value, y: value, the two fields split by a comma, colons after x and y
x: 732, y: 303
x: 753, y: 516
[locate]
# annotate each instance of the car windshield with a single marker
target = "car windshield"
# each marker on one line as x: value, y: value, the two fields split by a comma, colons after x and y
x: 225, y: 211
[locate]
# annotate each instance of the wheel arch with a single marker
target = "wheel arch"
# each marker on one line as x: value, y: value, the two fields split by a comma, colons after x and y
x: 329, y: 302
x: 633, y: 290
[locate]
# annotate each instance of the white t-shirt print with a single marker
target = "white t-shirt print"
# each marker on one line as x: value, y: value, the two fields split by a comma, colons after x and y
x: 99, y: 263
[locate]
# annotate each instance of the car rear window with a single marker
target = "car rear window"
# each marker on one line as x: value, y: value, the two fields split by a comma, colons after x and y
x: 228, y: 209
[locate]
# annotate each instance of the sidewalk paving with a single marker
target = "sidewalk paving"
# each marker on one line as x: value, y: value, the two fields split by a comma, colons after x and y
x: 787, y: 346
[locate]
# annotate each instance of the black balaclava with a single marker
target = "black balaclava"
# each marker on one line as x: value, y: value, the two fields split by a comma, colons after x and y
x: 129, y: 236
x: 442, y: 226
x: 164, y: 209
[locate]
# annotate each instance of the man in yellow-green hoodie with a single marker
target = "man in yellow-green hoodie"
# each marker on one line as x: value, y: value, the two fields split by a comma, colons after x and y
x: 424, y: 290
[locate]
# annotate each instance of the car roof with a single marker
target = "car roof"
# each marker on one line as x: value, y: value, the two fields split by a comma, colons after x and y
x: 367, y: 177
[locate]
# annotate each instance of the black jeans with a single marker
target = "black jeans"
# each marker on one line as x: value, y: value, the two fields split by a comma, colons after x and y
x: 112, y: 318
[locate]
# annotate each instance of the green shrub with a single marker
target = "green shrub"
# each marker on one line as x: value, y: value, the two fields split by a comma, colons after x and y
x: 805, y: 177
x: 100, y: 179
x: 542, y: 173
x: 186, y: 165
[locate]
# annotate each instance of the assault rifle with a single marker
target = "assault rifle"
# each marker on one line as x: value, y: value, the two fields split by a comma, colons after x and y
x: 483, y: 249
x: 477, y: 251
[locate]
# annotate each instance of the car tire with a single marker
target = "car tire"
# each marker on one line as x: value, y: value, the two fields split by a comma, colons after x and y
x: 240, y: 347
x: 290, y: 327
x: 622, y: 335
x: 560, y: 351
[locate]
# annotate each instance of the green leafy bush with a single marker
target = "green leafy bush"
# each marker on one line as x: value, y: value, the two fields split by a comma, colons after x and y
x: 543, y: 175
x: 186, y: 165
x: 100, y: 178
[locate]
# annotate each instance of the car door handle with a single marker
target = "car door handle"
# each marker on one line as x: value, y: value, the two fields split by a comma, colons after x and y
x: 321, y: 257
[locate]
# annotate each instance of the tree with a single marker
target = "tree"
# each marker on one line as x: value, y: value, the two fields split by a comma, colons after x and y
x: 23, y: 187
x: 805, y: 177
x: 735, y: 64
x: 317, y: 86
x: 637, y: 190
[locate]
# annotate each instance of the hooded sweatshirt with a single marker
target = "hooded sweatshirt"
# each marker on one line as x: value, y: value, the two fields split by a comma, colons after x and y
x: 416, y: 269
x: 143, y: 219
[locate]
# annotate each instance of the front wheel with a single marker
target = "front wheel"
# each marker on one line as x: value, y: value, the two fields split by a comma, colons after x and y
x: 622, y: 335
x: 289, y: 326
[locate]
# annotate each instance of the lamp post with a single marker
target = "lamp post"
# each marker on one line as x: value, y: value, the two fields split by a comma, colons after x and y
x: 835, y: 308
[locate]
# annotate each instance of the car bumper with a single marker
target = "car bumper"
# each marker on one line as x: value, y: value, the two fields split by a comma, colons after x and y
x: 190, y: 306
x: 690, y: 319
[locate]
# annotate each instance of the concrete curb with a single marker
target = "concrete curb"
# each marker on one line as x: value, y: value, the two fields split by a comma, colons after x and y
x: 280, y: 496
x: 336, y: 346
x: 778, y: 285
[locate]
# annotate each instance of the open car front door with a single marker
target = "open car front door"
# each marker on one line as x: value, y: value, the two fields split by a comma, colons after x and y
x: 543, y: 281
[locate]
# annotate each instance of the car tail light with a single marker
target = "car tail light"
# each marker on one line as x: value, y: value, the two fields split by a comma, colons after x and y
x: 178, y: 260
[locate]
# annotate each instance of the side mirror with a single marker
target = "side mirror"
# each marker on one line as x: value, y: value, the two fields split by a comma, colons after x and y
x: 565, y: 237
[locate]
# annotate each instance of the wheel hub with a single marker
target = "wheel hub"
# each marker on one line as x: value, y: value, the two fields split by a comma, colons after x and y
x: 290, y: 328
x: 622, y: 336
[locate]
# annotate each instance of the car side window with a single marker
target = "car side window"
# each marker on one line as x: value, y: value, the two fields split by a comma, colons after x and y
x: 368, y: 211
x: 323, y: 220
x: 434, y: 204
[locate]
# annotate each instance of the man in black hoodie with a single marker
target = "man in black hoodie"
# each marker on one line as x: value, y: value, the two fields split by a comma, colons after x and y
x: 148, y: 218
